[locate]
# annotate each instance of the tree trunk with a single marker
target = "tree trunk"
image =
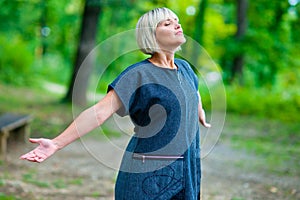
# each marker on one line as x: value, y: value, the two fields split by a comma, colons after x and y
x: 199, y: 28
x: 238, y: 61
x: 77, y: 91
x: 199, y: 31
x: 45, y: 31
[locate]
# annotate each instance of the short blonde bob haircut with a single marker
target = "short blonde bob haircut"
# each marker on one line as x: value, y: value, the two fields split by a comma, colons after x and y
x: 146, y: 27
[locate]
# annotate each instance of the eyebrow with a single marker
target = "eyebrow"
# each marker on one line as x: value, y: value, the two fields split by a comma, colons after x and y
x: 168, y: 19
x: 175, y: 18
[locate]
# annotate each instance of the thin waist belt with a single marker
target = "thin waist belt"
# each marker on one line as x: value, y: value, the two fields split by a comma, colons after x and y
x: 144, y: 157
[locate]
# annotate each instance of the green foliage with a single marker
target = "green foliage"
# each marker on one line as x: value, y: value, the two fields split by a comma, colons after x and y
x: 270, y: 54
x: 271, y: 45
x: 15, y: 61
x: 266, y: 46
x: 63, y: 18
x: 19, y: 18
x: 52, y: 66
x: 22, y: 41
x: 217, y: 29
x: 263, y: 102
x: 116, y: 67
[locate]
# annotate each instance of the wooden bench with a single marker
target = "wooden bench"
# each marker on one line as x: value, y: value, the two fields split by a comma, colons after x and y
x: 13, y: 128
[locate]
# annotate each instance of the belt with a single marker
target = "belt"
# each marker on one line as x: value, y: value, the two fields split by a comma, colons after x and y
x: 144, y: 157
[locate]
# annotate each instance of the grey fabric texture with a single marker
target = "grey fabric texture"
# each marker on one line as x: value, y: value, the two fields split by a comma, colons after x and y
x: 163, y: 105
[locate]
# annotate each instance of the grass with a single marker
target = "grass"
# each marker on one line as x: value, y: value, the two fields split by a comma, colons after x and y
x: 61, y: 183
x: 29, y: 178
x: 50, y: 115
x: 9, y: 197
x: 235, y: 198
x: 275, y: 142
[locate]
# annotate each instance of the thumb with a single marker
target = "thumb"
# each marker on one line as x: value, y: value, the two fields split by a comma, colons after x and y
x: 207, y: 125
x: 34, y: 140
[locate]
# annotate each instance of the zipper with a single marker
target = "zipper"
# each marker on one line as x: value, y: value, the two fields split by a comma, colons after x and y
x: 144, y: 157
x: 178, y: 76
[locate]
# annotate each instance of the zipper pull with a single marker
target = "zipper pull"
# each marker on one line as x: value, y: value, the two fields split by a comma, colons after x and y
x: 178, y: 77
x: 143, y: 158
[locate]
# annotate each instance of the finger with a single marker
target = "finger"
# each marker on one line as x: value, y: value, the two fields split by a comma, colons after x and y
x: 33, y: 158
x: 30, y: 154
x: 206, y: 125
x: 32, y: 140
x: 28, y: 157
x: 25, y: 156
x: 39, y: 157
x: 39, y: 160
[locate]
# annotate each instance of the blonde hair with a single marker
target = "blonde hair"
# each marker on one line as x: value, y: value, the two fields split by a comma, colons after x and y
x: 146, y: 27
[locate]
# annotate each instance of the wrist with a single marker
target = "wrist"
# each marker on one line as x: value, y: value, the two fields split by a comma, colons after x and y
x: 57, y: 144
x: 202, y: 112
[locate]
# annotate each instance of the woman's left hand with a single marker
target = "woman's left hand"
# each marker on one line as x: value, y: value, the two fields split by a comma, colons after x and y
x: 202, y: 119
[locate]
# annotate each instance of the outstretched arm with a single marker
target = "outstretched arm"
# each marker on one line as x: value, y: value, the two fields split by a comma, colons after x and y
x: 201, y: 114
x: 88, y: 120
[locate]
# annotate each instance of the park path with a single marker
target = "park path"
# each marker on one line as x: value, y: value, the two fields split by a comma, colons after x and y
x: 78, y: 172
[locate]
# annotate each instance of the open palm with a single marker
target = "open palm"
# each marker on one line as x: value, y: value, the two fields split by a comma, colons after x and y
x: 45, y: 149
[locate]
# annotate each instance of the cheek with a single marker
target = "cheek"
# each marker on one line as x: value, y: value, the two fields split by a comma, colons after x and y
x: 163, y: 31
x: 162, y: 35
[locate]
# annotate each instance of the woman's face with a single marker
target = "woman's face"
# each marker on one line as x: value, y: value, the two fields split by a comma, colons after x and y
x: 169, y: 34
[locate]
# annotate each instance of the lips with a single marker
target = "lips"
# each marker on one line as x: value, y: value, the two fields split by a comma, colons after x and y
x: 179, y: 33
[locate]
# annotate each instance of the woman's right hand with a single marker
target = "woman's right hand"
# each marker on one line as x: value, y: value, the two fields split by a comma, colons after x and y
x: 45, y: 149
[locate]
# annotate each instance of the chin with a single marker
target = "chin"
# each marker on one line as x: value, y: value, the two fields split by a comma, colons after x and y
x: 182, y: 42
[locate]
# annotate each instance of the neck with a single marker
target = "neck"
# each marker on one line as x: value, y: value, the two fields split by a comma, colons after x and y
x: 163, y: 60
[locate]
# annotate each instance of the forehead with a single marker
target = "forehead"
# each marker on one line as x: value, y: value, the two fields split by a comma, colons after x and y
x: 163, y: 15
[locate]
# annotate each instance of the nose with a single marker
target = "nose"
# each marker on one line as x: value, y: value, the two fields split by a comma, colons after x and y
x: 177, y: 25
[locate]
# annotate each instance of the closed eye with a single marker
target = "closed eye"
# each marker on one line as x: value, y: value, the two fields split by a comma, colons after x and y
x: 168, y: 22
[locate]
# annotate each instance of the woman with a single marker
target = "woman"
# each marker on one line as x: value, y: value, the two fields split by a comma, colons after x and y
x: 160, y: 94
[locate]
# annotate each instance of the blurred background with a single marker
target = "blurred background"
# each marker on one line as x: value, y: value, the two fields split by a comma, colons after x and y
x: 255, y: 45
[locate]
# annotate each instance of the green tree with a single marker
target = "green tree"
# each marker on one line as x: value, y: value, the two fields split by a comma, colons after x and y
x: 268, y: 40
x: 17, y: 41
x: 238, y: 60
x: 199, y: 21
x: 83, y: 65
x: 265, y: 44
